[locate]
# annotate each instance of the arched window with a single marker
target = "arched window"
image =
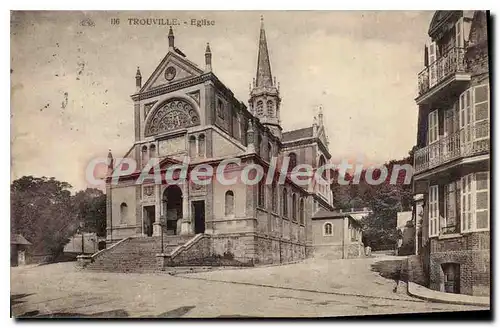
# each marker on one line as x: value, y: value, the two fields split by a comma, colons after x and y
x: 270, y: 108
x: 201, y: 145
x: 284, y: 202
x: 145, y: 156
x: 192, y: 146
x: 273, y: 196
x: 301, y: 211
x: 152, y: 151
x: 269, y: 151
x: 229, y: 205
x: 123, y: 213
x: 260, y: 108
x: 294, y: 207
x: 293, y: 161
x: 328, y: 229
x: 262, y: 193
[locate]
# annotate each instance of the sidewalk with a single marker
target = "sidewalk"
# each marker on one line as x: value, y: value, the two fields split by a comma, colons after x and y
x: 435, y: 296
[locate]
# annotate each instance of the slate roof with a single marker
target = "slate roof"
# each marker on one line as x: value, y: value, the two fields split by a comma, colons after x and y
x: 16, y: 239
x: 439, y: 17
x: 298, y: 134
x: 322, y: 214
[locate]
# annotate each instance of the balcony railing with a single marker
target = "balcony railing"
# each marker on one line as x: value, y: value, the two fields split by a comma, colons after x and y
x: 465, y: 142
x: 450, y: 63
x: 451, y: 229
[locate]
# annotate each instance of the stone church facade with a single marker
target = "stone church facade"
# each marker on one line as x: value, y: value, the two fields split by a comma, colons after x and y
x: 182, y: 111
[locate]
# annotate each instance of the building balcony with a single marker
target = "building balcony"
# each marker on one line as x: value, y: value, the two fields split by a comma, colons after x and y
x: 445, y: 76
x: 464, y: 143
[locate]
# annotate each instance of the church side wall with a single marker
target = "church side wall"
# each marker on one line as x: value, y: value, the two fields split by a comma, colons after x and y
x: 124, y: 218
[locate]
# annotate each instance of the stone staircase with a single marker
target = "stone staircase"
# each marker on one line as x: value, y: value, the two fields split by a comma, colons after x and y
x: 135, y: 254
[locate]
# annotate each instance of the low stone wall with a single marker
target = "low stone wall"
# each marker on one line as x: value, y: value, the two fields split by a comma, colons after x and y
x: 336, y: 252
x: 416, y: 271
x: 355, y: 250
x: 233, y: 250
x: 239, y: 247
x: 274, y: 251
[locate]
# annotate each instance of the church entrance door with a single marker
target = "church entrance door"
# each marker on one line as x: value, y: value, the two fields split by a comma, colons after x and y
x: 199, y: 216
x: 149, y: 219
x: 172, y: 207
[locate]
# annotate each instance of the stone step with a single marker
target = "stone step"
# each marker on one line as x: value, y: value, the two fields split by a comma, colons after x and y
x: 136, y: 254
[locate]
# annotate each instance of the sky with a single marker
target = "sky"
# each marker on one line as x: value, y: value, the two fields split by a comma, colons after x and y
x: 71, y: 82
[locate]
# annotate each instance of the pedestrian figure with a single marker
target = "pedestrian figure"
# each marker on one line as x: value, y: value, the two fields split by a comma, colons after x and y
x: 397, y: 277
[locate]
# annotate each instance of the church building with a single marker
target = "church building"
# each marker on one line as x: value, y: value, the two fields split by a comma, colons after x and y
x: 184, y: 110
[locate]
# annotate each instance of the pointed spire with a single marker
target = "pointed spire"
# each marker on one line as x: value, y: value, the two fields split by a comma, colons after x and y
x: 264, y: 77
x: 170, y: 38
x: 138, y: 79
x: 208, y: 58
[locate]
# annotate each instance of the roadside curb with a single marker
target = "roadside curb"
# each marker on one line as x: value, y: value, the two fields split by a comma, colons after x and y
x: 427, y: 294
x: 187, y: 270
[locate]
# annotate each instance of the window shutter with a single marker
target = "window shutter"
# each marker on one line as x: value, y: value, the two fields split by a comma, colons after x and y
x: 459, y: 33
x: 466, y: 203
x: 433, y: 127
x: 464, y: 110
x: 481, y: 111
x: 433, y: 211
x: 432, y: 64
x: 482, y: 200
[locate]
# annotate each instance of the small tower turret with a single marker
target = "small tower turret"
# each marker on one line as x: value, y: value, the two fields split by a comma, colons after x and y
x: 170, y: 38
x: 110, y: 162
x: 208, y: 58
x: 265, y: 99
x: 138, y: 79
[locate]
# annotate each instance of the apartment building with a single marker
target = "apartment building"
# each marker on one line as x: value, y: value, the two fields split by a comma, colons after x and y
x: 452, y: 163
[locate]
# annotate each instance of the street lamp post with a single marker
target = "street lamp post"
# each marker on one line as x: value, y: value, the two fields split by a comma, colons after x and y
x: 162, y: 217
x: 83, y: 239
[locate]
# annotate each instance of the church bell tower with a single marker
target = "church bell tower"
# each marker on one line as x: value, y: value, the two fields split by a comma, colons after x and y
x: 265, y: 99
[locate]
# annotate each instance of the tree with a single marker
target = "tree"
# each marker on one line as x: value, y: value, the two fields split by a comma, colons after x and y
x: 90, y: 208
x: 385, y: 200
x: 41, y: 211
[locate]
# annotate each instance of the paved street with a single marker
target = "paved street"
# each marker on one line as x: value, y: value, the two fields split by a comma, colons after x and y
x: 314, y: 288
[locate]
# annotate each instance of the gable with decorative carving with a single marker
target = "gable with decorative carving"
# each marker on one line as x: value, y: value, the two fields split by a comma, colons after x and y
x: 172, y: 68
x: 148, y: 107
x: 172, y: 115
